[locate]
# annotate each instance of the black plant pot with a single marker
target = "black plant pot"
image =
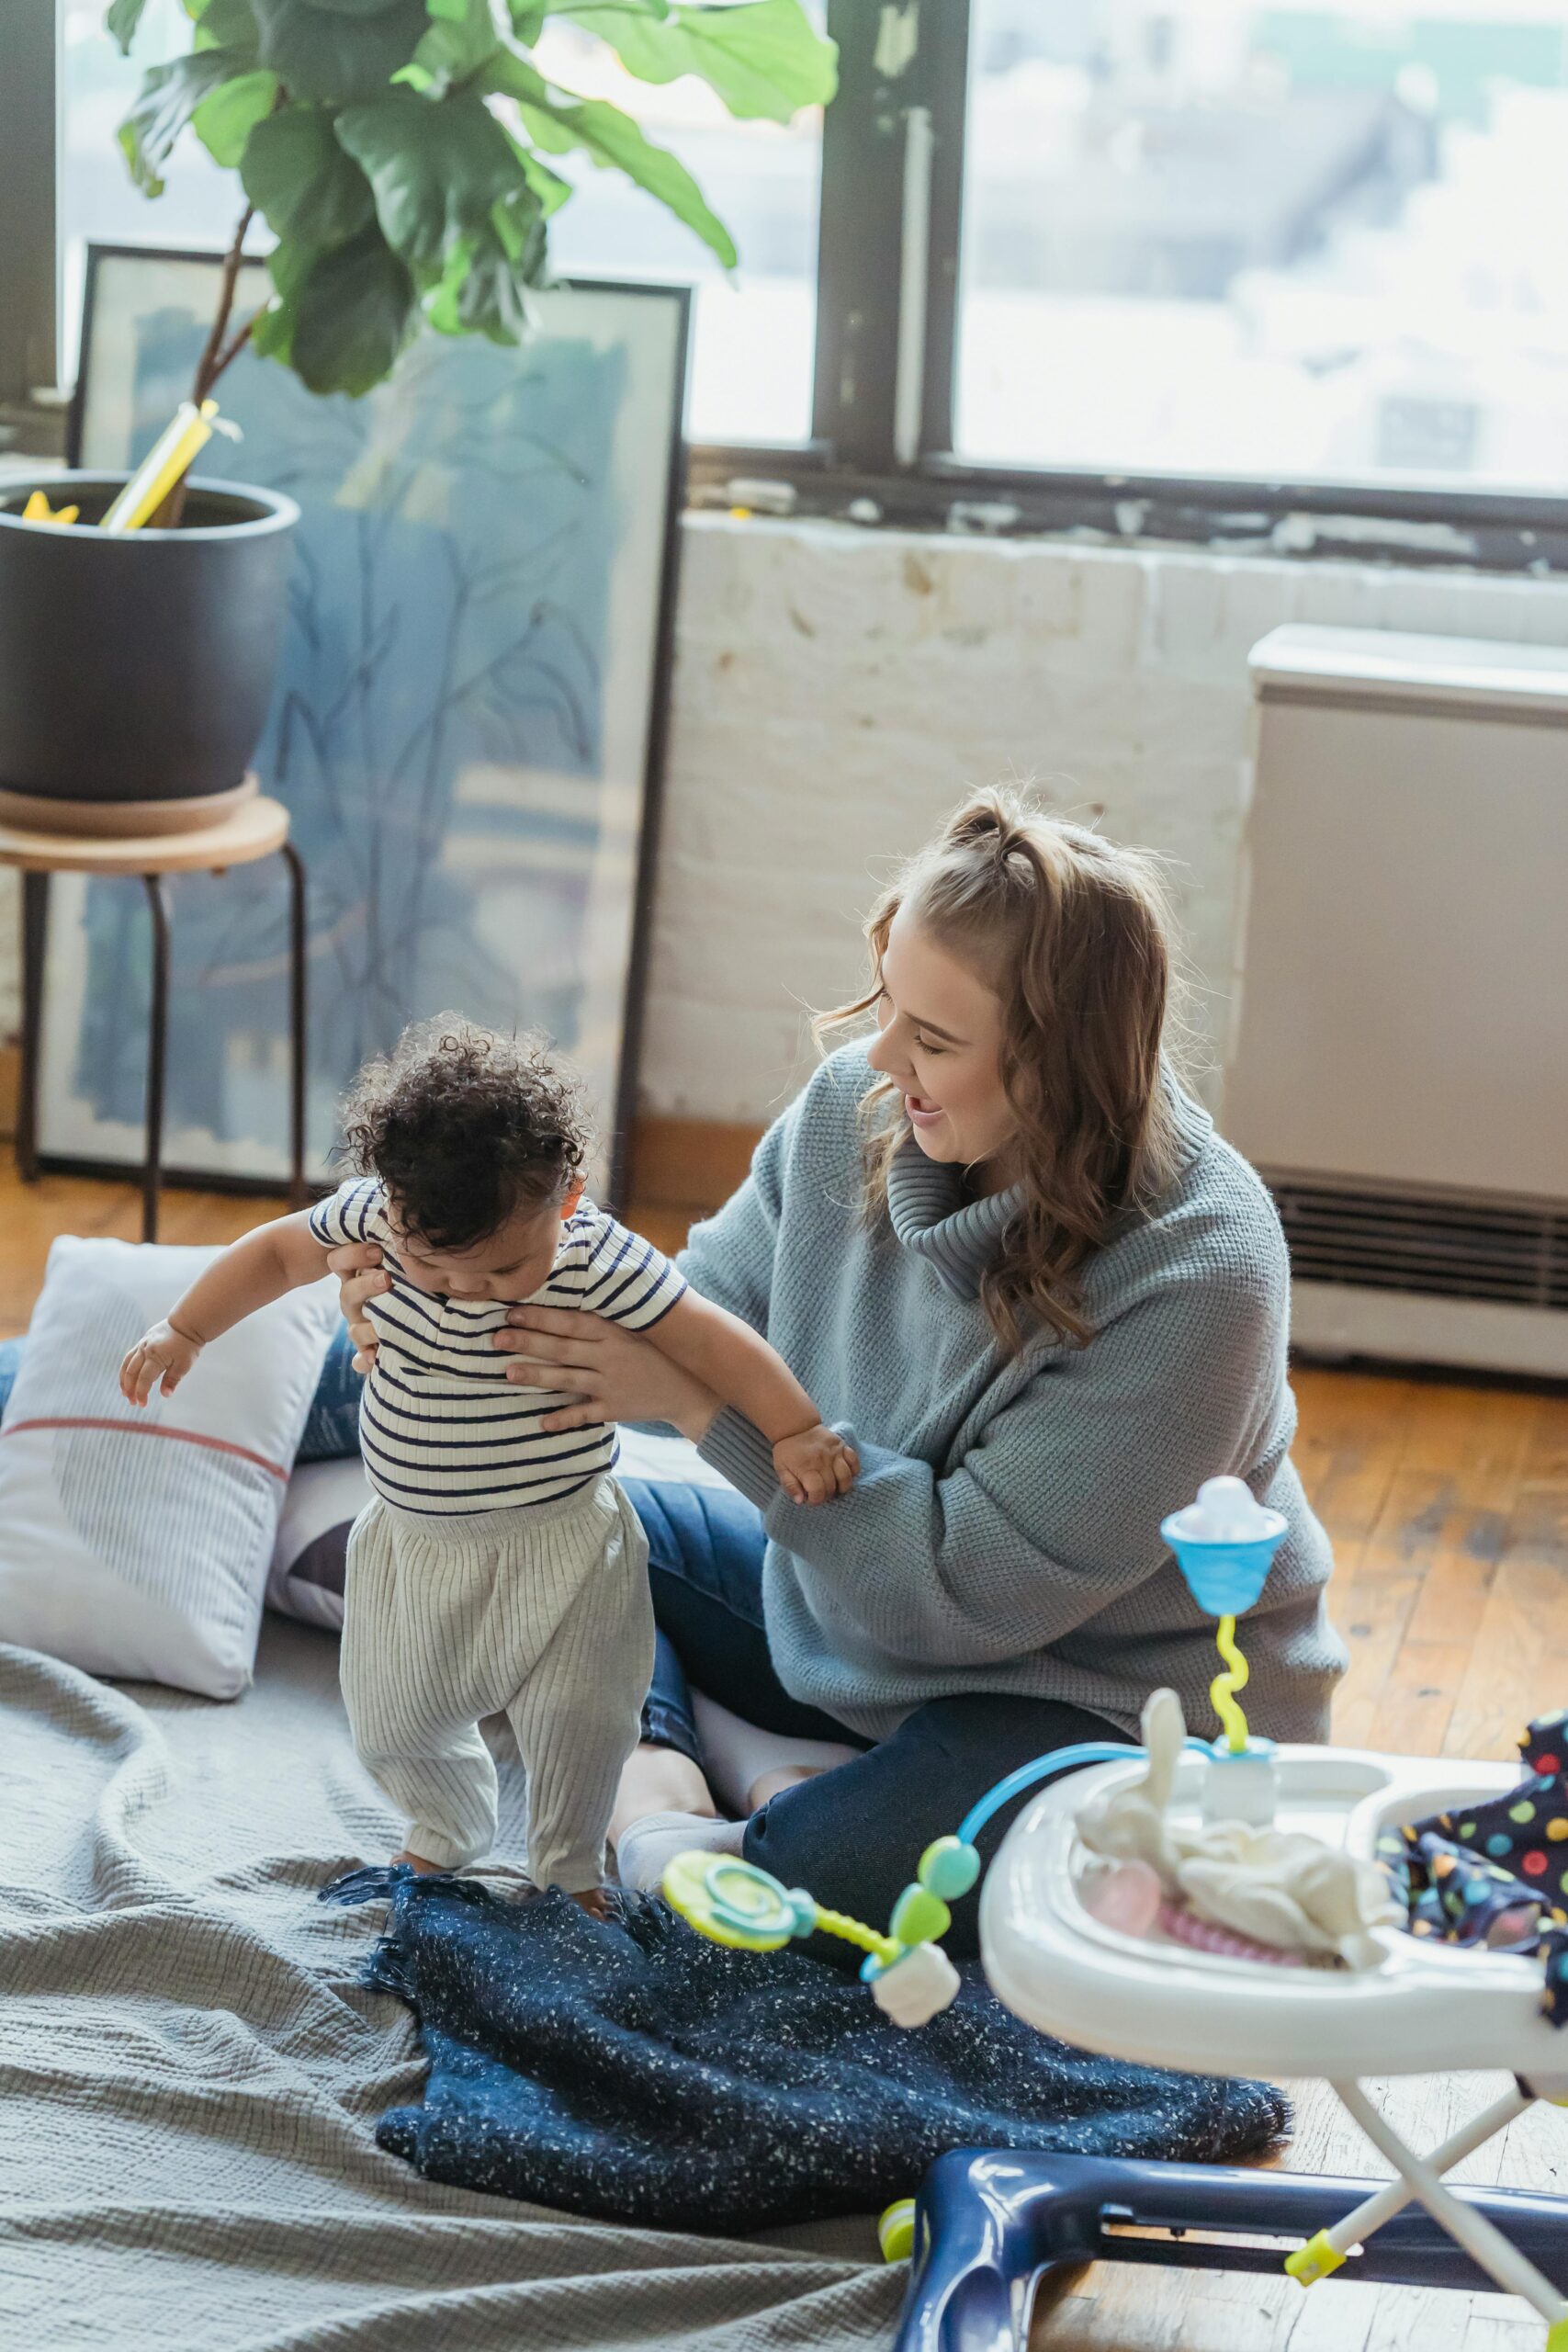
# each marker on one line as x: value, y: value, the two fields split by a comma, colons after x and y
x: 136, y: 667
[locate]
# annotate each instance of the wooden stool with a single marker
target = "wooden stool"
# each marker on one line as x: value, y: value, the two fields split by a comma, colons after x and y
x: 257, y: 827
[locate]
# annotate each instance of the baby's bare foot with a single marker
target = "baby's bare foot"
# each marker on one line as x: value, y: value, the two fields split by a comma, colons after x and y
x: 417, y: 1862
x: 594, y: 1901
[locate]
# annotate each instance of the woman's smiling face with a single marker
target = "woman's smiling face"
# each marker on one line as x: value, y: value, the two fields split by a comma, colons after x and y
x: 940, y: 1043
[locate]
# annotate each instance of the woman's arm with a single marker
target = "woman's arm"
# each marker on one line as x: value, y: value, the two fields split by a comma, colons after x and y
x: 1053, y: 1512
x: 251, y: 1273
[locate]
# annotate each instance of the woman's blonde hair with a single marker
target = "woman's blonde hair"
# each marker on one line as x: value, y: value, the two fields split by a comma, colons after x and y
x: 1075, y: 937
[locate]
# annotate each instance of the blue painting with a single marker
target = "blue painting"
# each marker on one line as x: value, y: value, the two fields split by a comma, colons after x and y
x: 460, y: 731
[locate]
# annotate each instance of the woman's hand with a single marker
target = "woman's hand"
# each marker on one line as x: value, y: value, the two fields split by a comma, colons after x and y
x: 357, y: 1267
x: 611, y: 1373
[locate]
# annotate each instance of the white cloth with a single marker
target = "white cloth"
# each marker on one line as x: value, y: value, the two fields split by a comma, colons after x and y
x: 542, y: 1615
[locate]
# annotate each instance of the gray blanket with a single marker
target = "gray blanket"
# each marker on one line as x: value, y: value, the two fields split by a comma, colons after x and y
x: 191, y: 2070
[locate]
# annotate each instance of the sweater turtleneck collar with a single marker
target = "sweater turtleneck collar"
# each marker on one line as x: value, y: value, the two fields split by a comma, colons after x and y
x: 934, y: 1217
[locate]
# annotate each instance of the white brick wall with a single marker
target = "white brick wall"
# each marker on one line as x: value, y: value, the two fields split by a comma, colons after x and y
x: 836, y: 691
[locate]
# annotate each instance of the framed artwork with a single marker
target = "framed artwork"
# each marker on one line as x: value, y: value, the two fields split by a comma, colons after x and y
x: 466, y: 730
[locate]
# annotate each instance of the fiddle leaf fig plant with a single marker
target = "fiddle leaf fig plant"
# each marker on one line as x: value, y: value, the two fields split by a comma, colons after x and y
x: 400, y: 152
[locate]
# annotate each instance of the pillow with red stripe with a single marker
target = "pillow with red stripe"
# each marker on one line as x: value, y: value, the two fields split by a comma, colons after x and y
x: 136, y: 1543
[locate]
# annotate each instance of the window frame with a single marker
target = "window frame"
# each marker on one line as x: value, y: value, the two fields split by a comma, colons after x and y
x: 899, y: 60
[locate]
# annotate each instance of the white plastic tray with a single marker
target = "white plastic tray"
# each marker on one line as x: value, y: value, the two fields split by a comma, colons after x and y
x: 1425, y: 2007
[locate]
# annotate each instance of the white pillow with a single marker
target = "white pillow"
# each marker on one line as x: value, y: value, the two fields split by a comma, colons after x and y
x: 136, y: 1541
x: 310, y: 1556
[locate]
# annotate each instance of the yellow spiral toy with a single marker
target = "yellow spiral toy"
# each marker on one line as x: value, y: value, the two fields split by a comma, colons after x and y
x: 1223, y: 1688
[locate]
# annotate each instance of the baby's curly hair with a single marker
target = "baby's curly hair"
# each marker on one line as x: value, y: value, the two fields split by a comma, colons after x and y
x: 463, y: 1126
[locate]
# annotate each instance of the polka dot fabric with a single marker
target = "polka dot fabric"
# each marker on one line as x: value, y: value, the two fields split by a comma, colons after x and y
x: 1496, y: 1875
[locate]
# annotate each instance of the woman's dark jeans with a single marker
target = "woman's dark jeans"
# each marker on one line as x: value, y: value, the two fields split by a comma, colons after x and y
x: 850, y: 1837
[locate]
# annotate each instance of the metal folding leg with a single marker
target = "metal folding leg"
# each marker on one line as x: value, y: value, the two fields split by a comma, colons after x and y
x: 157, y: 1056
x: 35, y: 931
x: 299, y: 1009
x: 1481, y: 2240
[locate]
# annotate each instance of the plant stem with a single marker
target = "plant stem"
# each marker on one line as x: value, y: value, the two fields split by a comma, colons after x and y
x: 215, y: 355
x: 213, y: 360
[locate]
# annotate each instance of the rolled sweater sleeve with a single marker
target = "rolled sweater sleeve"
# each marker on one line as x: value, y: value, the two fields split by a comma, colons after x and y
x: 1053, y: 1513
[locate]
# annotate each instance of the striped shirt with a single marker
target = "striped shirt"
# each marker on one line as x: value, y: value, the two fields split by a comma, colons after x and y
x: 441, y: 1428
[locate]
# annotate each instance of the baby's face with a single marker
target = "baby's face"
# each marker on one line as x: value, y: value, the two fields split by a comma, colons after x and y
x: 510, y: 1263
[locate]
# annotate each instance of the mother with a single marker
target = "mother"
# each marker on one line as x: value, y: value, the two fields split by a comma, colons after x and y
x: 1004, y: 1250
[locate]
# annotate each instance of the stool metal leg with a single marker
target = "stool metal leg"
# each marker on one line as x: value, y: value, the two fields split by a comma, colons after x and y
x: 157, y: 1054
x: 35, y: 933
x: 299, y: 1006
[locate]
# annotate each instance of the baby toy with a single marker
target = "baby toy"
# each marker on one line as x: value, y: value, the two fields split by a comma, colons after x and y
x: 1220, y: 1907
x: 1232, y: 1886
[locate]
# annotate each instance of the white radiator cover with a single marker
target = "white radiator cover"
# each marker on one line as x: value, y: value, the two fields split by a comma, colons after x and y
x: 1399, y: 1061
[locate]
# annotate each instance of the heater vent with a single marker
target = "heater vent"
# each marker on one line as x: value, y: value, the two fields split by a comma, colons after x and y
x: 1508, y: 1253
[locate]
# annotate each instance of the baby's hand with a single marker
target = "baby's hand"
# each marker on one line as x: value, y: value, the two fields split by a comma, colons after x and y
x: 815, y: 1466
x: 163, y: 1354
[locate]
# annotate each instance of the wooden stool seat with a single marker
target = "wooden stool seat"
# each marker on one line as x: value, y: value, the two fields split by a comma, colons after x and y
x: 255, y: 828
x: 258, y: 827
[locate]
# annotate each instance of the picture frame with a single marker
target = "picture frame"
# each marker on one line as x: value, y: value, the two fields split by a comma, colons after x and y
x: 468, y: 726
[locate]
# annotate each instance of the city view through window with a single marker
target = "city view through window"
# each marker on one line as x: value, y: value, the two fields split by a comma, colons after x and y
x: 1207, y: 237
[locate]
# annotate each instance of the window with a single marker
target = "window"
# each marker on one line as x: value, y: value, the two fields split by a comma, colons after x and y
x: 1212, y: 237
x: 97, y: 202
x: 751, y: 357
x: 752, y: 337
x: 1305, y: 250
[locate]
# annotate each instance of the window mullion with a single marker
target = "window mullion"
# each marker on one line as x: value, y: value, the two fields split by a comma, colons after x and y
x: 893, y: 61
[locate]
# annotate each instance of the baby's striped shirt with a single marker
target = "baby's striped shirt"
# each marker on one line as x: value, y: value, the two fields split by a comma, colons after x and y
x: 441, y: 1428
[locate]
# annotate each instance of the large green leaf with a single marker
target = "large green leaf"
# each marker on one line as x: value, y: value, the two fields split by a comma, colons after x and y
x: 436, y: 166
x: 353, y: 8
x: 481, y: 290
x: 462, y: 37
x: 121, y: 20
x: 224, y: 122
x: 306, y: 188
x: 225, y: 24
x: 167, y: 99
x: 351, y: 316
x: 527, y: 20
x: 549, y: 186
x: 560, y: 123
x: 340, y: 60
x: 764, y: 57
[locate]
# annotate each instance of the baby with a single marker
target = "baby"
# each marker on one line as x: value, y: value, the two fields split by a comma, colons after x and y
x: 499, y: 1567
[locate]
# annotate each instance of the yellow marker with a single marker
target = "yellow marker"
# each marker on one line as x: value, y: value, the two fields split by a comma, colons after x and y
x: 37, y: 510
x: 1222, y: 1689
x: 171, y: 456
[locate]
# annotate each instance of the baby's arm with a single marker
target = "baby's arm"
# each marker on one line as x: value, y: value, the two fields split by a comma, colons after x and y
x: 727, y: 1356
x: 276, y: 1258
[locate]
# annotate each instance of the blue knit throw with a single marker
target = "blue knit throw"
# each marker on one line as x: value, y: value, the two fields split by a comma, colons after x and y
x: 633, y: 2071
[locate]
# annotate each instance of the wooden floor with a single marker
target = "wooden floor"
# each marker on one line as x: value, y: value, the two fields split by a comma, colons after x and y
x: 1448, y: 1507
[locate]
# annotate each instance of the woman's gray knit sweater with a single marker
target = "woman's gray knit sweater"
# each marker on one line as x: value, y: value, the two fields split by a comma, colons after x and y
x: 1004, y: 1531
